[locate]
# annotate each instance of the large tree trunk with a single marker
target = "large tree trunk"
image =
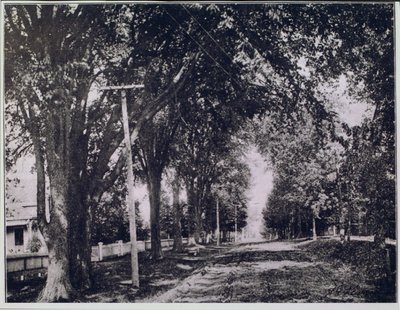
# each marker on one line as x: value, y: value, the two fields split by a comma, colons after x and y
x: 178, y: 244
x: 79, y: 210
x: 79, y: 246
x: 154, y: 188
x: 58, y: 286
x: 55, y: 230
x: 191, y: 198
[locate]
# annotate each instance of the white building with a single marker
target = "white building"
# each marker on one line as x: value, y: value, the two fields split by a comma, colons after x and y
x: 23, y: 235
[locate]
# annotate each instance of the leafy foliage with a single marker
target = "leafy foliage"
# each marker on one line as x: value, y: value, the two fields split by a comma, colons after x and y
x: 110, y: 218
x: 34, y: 244
x: 269, y: 64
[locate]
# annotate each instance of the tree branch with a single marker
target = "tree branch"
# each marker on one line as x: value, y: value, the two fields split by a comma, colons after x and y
x: 12, y: 25
x: 32, y: 12
x: 101, y: 166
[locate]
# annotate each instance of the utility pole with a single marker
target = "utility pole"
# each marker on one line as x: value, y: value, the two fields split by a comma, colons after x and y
x: 218, y: 222
x: 131, y: 198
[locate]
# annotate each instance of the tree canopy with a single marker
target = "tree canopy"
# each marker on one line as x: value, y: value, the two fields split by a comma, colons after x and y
x: 215, y: 77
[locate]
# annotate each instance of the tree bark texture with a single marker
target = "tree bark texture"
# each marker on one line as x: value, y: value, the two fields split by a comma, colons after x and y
x: 195, y: 212
x: 195, y: 202
x: 178, y: 244
x: 79, y: 244
x: 154, y: 188
x: 58, y: 286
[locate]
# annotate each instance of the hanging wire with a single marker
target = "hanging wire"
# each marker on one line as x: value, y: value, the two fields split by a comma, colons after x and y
x: 210, y: 36
x: 202, y: 48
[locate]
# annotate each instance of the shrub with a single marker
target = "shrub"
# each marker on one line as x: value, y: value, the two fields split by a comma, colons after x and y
x: 34, y: 244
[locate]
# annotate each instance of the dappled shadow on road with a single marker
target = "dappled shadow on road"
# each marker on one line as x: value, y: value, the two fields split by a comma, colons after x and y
x: 263, y: 273
x: 238, y: 257
x: 322, y: 271
x: 155, y: 277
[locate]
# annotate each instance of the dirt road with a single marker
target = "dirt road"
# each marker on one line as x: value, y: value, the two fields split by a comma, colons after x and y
x: 321, y: 271
x: 267, y: 272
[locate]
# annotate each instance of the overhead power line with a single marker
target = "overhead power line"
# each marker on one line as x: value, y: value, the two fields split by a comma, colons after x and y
x: 211, y: 37
x: 202, y: 48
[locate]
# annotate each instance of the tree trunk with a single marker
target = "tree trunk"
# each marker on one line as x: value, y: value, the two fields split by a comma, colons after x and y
x: 79, y: 236
x: 55, y: 230
x: 154, y: 188
x: 218, y: 230
x: 348, y: 232
x: 299, y: 226
x: 314, y: 228
x: 192, y: 202
x: 307, y: 224
x: 198, y: 222
x: 178, y: 245
x: 58, y: 286
x: 79, y: 216
x: 379, y: 236
x: 80, y: 248
x: 86, y: 263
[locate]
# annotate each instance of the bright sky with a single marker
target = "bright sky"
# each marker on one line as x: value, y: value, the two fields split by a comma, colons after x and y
x: 350, y: 111
x: 261, y: 186
x: 25, y: 191
x: 140, y: 193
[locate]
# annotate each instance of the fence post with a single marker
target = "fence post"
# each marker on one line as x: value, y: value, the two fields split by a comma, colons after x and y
x: 100, y: 251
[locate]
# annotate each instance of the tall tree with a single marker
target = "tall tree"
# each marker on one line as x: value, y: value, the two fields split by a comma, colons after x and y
x: 230, y: 187
x: 54, y: 53
x: 153, y: 153
x: 110, y: 217
x: 174, y: 181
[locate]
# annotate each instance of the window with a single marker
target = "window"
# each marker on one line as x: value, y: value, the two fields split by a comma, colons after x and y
x: 19, y: 236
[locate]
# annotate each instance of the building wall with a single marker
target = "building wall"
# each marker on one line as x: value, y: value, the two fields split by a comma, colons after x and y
x: 11, y: 248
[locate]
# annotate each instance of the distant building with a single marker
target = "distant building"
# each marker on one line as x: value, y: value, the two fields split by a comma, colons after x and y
x: 23, y: 235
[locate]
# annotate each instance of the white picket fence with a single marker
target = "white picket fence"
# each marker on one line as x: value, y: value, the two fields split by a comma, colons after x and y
x: 388, y: 241
x: 31, y: 261
x: 119, y: 248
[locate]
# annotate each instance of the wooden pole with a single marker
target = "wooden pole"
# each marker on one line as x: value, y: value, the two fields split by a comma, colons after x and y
x: 131, y: 200
x: 129, y: 162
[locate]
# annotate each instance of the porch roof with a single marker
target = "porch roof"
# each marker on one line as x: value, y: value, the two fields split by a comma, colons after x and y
x: 13, y: 223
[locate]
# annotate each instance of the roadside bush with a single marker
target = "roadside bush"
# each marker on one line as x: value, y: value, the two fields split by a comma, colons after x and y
x: 34, y: 244
x: 378, y: 265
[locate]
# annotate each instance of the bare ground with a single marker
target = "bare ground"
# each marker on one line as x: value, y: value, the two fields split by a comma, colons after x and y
x: 262, y: 272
